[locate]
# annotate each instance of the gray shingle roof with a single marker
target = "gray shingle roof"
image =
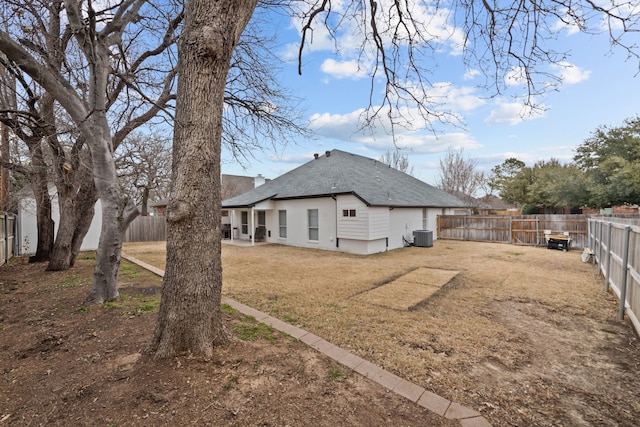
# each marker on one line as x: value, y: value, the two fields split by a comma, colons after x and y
x: 339, y: 172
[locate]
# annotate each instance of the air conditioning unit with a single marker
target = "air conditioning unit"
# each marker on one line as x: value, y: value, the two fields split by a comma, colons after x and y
x: 423, y: 238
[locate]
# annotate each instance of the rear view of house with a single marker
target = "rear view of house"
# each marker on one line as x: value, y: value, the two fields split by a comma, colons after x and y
x: 340, y: 201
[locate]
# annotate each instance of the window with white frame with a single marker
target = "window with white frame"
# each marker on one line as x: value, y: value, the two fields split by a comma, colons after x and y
x: 348, y: 213
x: 282, y: 223
x: 425, y: 218
x: 312, y: 215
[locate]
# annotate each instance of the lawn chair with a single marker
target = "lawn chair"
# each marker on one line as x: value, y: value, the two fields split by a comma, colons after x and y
x: 261, y: 231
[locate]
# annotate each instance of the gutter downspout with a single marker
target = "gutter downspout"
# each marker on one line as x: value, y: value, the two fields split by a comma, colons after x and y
x: 335, y: 199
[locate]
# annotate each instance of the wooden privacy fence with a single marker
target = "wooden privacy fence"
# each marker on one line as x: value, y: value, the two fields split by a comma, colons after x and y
x: 7, y: 236
x: 147, y: 229
x: 615, y: 245
x: 517, y: 230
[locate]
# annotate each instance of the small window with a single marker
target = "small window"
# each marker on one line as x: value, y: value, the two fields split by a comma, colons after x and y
x: 282, y: 223
x: 349, y: 213
x: 313, y: 224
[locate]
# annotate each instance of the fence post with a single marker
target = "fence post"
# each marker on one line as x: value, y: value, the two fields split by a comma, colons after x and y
x: 6, y: 238
x: 625, y: 267
x: 510, y: 229
x: 464, y: 228
x: 537, y: 230
x: 602, y: 241
x: 607, y: 275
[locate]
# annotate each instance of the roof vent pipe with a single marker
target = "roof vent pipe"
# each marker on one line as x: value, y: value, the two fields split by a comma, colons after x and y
x: 315, y: 155
x: 327, y: 153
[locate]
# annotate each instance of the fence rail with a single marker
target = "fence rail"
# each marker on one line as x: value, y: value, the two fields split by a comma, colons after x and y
x: 7, y: 236
x: 615, y: 245
x: 517, y: 230
x: 147, y: 229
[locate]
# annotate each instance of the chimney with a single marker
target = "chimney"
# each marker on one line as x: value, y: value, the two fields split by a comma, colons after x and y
x: 315, y: 155
x: 258, y: 180
x: 327, y: 153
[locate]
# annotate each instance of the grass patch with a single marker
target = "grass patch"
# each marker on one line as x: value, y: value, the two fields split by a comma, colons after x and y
x: 289, y: 319
x: 129, y: 270
x: 253, y: 331
x: 89, y: 255
x: 228, y: 309
x: 112, y: 304
x: 149, y: 306
x: 336, y: 374
x: 71, y: 283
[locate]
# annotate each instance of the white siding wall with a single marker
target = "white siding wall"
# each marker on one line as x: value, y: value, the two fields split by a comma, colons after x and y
x: 372, y: 230
x: 368, y: 224
x: 405, y: 220
x: 379, y: 223
x: 29, y: 228
x: 352, y: 227
x: 402, y: 222
x: 297, y: 223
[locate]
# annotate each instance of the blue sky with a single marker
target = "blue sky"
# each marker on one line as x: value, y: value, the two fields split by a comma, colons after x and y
x: 599, y: 87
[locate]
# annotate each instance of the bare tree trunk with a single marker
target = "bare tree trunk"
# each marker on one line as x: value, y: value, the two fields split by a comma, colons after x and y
x: 144, y: 211
x: 117, y: 213
x: 77, y: 196
x: 76, y: 214
x: 190, y: 319
x: 44, y: 222
x: 86, y: 211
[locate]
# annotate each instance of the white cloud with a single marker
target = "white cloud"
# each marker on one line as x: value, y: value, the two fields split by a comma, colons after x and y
x: 343, y: 69
x: 513, y: 113
x: 378, y: 138
x: 570, y: 29
x: 569, y: 73
x: 516, y: 77
x: 429, y: 26
x: 471, y: 74
x: 454, y: 98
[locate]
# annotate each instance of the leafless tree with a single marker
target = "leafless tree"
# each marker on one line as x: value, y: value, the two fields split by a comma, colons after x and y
x: 98, y: 94
x: 459, y: 175
x: 397, y: 160
x: 144, y: 166
x: 28, y: 125
x: 141, y: 77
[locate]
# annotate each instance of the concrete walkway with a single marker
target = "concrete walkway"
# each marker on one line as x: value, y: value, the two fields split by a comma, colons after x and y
x: 467, y: 417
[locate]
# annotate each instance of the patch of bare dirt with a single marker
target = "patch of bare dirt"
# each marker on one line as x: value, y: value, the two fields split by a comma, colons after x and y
x: 64, y: 364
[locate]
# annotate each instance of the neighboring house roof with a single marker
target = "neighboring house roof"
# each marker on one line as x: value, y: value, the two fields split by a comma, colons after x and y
x: 231, y: 185
x: 338, y: 172
x: 234, y: 185
x: 494, y: 202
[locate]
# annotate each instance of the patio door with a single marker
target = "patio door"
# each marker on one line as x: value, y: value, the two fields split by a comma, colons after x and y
x: 262, y: 218
x: 245, y: 222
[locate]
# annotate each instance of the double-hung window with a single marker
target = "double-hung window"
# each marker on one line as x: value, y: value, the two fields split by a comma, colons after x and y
x: 282, y: 224
x: 313, y: 224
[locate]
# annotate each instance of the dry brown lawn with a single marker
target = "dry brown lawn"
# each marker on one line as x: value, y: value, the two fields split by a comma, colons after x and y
x: 525, y: 335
